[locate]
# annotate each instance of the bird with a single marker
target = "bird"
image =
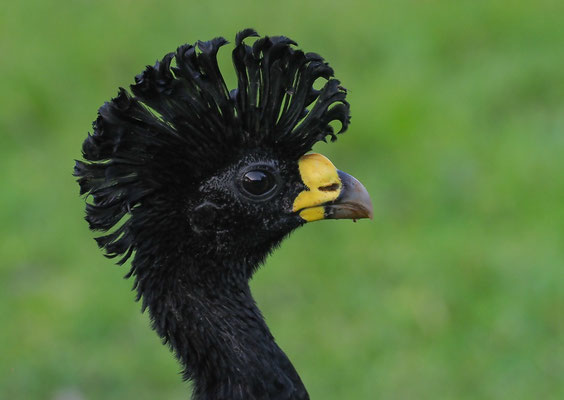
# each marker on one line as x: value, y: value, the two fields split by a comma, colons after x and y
x: 196, y: 185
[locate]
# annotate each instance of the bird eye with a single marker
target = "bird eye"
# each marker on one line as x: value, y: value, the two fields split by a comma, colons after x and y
x: 258, y: 182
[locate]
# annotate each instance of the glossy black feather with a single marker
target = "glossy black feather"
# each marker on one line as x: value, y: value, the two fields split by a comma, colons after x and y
x: 157, y: 159
x: 182, y: 122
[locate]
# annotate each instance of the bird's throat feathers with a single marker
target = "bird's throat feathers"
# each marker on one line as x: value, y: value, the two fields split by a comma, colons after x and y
x: 212, y: 324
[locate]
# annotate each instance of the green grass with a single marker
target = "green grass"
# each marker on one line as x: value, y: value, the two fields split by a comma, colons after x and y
x: 454, y: 291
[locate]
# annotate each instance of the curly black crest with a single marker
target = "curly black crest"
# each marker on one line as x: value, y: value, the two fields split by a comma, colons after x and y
x: 183, y: 123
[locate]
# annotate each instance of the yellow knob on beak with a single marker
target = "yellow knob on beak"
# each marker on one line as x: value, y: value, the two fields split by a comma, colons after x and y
x: 330, y: 193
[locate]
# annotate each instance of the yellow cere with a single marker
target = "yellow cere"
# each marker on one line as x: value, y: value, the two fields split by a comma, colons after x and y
x: 321, y: 178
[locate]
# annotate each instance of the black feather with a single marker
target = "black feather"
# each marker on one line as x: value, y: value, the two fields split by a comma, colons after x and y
x: 183, y: 123
x: 154, y: 162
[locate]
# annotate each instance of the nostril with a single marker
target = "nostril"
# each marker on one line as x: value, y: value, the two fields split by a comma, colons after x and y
x: 329, y: 188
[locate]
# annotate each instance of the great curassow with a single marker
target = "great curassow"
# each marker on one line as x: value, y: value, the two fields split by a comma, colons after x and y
x: 199, y: 184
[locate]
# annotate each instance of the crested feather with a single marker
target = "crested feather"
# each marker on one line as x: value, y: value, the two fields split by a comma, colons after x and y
x: 181, y: 123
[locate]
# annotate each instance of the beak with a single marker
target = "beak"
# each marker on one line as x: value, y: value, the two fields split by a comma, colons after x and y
x: 330, y: 194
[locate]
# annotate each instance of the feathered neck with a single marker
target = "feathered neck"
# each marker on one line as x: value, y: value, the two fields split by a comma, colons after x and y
x: 217, y: 332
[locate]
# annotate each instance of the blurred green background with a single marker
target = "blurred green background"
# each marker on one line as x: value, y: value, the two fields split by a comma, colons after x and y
x: 454, y: 291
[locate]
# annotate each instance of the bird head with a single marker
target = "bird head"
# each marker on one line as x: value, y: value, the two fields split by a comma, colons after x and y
x: 184, y: 166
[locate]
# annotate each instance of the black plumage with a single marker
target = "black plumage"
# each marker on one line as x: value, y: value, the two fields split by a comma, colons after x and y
x: 198, y: 184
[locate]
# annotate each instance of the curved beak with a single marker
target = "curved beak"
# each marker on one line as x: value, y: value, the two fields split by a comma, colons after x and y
x: 330, y: 193
x: 353, y: 201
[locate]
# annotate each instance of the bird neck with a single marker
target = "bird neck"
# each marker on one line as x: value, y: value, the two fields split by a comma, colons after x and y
x: 210, y: 320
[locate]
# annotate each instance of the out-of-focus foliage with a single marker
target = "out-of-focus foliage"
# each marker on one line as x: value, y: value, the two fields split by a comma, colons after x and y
x: 454, y: 291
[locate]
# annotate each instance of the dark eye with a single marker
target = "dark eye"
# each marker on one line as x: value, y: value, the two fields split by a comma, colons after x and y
x: 258, y: 183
